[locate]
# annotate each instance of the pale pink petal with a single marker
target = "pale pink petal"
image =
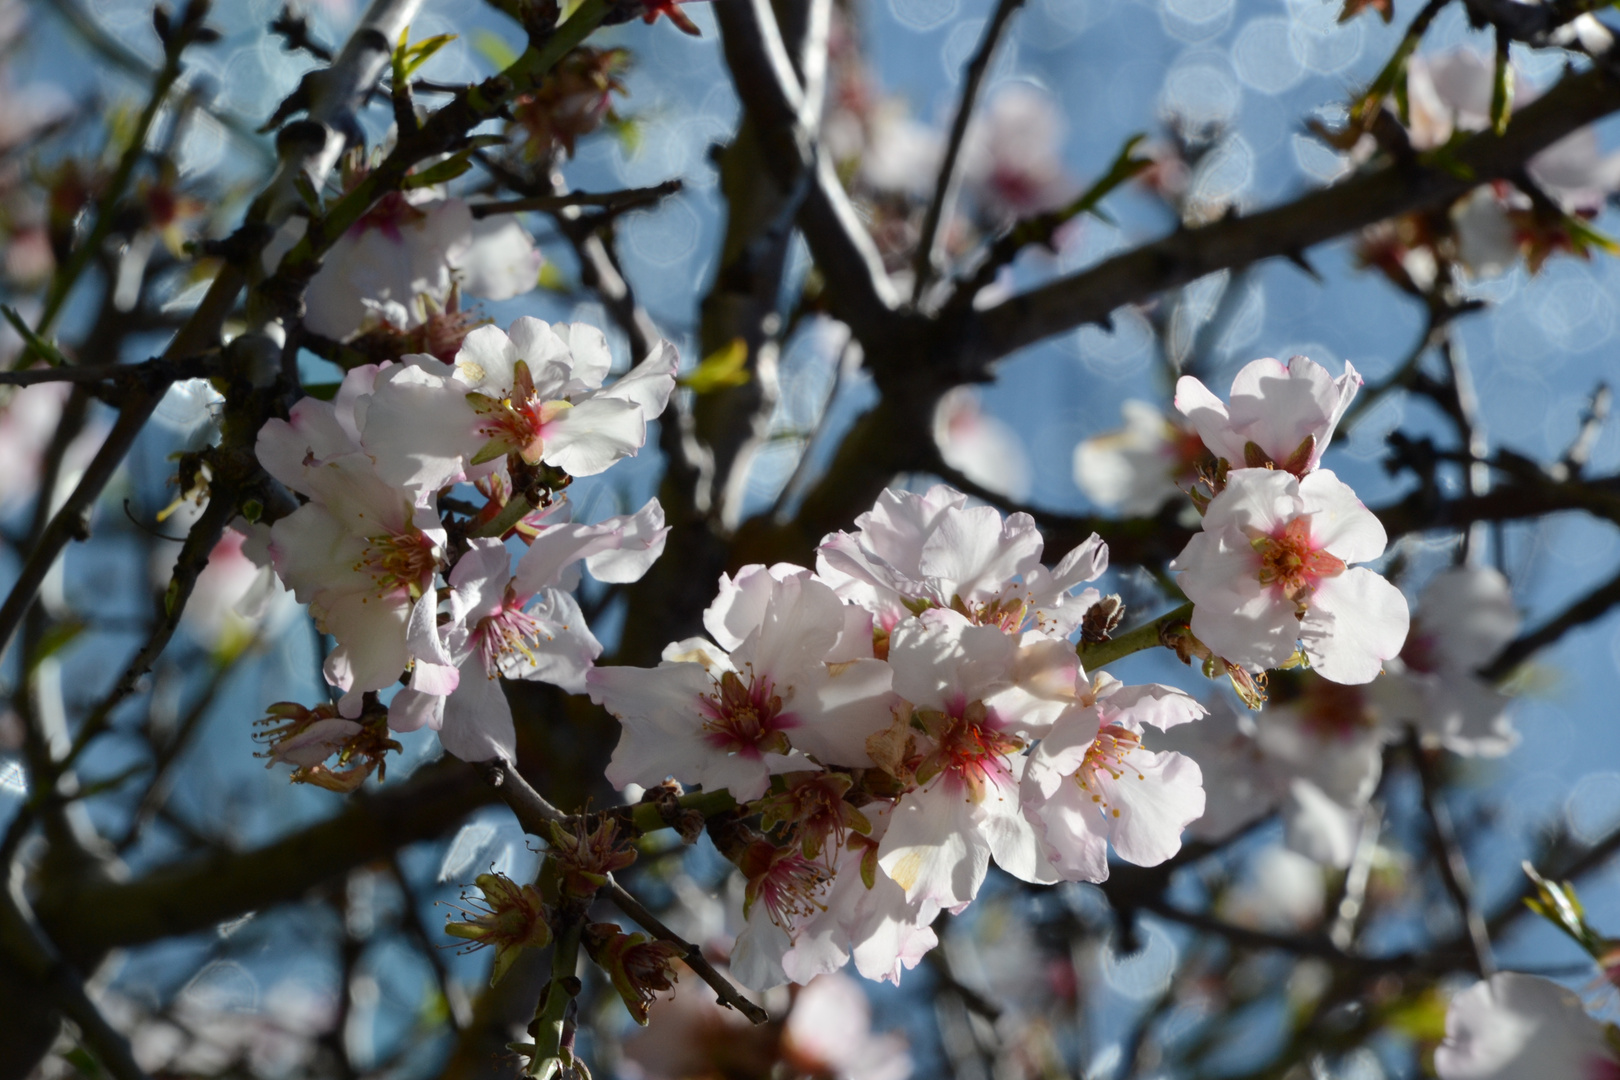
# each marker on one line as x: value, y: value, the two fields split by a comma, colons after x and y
x: 595, y: 433
x: 1356, y: 621
x: 1209, y: 418
x: 1340, y: 524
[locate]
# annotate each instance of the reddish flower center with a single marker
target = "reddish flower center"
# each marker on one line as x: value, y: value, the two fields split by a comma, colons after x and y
x: 1334, y: 711
x: 390, y: 213
x: 506, y: 634
x: 969, y: 751
x: 1291, y: 561
x: 745, y: 718
x: 405, y: 560
x: 517, y: 422
x: 784, y: 881
x: 1421, y: 651
x: 1107, y: 755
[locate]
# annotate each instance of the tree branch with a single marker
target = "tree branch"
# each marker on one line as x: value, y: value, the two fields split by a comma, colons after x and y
x: 929, y: 257
x: 89, y: 917
x: 1189, y: 254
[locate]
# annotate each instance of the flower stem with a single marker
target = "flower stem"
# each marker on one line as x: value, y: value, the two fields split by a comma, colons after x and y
x: 552, y: 1017
x: 649, y: 818
x: 1098, y: 654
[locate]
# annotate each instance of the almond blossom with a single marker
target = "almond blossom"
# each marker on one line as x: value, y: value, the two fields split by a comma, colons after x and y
x: 982, y: 447
x: 1279, y: 414
x: 912, y: 552
x: 1522, y: 1027
x: 1272, y: 568
x: 784, y: 676
x: 966, y: 762
x: 1464, y: 617
x: 1091, y: 783
x: 857, y: 912
x: 1140, y: 467
x: 517, y: 625
x: 534, y: 391
x: 363, y: 550
x: 405, y: 257
x: 1011, y: 159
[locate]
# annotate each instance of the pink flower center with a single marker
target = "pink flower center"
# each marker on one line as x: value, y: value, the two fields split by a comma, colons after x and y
x: 745, y: 718
x: 1291, y: 561
x: 969, y: 752
x: 516, y: 423
x: 1334, y: 711
x: 1107, y: 755
x: 390, y: 213
x: 1421, y: 651
x: 506, y: 634
x: 405, y: 560
x: 784, y: 881
x: 1017, y: 187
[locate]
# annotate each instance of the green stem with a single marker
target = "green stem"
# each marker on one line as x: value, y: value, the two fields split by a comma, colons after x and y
x: 516, y: 509
x: 552, y: 1016
x: 708, y: 803
x: 1099, y: 654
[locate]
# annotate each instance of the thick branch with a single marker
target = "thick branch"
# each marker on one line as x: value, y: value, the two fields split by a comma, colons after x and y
x: 200, y: 893
x: 1189, y: 254
x: 857, y: 284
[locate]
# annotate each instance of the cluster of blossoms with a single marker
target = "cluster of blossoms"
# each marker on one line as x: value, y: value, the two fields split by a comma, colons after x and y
x: 393, y: 283
x: 916, y: 707
x: 900, y: 717
x: 1488, y: 230
x: 402, y: 587
x: 1270, y: 574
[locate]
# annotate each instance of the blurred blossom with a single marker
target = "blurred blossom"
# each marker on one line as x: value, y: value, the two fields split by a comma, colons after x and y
x: 1269, y: 761
x: 1281, y: 891
x: 981, y: 447
x: 27, y: 422
x: 1012, y: 165
x: 235, y: 598
x: 1463, y: 619
x: 575, y: 99
x: 203, y: 1035
x: 405, y: 259
x: 1140, y: 467
x: 822, y: 1031
x: 1521, y: 1027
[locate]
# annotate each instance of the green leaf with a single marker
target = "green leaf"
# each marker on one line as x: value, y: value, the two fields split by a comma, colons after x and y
x: 39, y: 346
x: 408, y: 58
x: 443, y: 172
x: 323, y: 391
x: 494, y: 49
x: 552, y: 279
x: 56, y: 638
x: 1583, y: 237
x: 725, y: 367
x: 1501, y: 90
x: 84, y: 1063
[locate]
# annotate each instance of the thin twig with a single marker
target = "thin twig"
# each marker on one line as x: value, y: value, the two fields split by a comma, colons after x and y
x: 729, y: 995
x: 612, y: 202
x: 927, y: 260
x: 1594, y: 605
x: 1453, y: 865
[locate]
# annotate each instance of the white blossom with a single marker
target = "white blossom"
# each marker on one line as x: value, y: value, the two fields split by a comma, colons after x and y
x: 1272, y: 568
